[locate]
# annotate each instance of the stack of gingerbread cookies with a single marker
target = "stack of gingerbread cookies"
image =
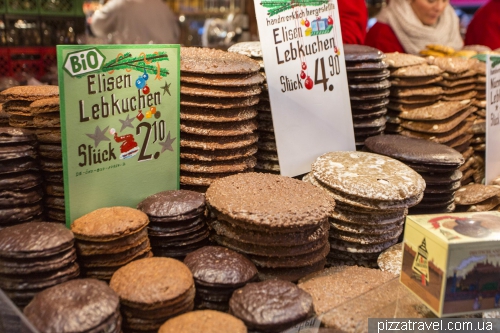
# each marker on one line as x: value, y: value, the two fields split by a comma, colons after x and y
x: 48, y: 129
x: 219, y: 91
x: 20, y: 179
x: 413, y: 85
x: 218, y: 272
x: 280, y: 223
x: 35, y: 256
x: 438, y: 164
x: 368, y: 89
x: 151, y: 291
x: 372, y: 194
x: 109, y: 238
x: 458, y: 78
x: 177, y: 222
x: 267, y: 156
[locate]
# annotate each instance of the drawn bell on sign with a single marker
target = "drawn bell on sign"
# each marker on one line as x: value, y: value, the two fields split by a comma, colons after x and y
x: 421, y: 264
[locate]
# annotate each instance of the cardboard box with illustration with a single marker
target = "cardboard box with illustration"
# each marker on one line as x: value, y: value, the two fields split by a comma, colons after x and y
x: 452, y: 261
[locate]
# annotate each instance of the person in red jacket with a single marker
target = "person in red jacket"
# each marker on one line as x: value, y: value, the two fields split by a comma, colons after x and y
x: 409, y: 25
x: 484, y: 28
x: 353, y: 21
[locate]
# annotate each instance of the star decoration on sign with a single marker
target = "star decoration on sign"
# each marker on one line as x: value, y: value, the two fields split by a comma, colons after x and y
x: 98, y: 135
x: 167, y: 144
x: 166, y: 88
x: 126, y: 123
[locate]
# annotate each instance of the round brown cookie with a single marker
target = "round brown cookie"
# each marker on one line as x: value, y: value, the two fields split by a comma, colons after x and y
x: 443, y: 188
x: 21, y: 108
x: 106, y: 272
x: 414, y: 150
x: 415, y: 82
x: 20, y: 181
x: 191, y: 226
x: 11, y: 152
x: 19, y: 214
x: 51, y: 165
x: 217, y: 116
x: 485, y: 205
x: 459, y: 82
x: 221, y: 80
x: 110, y: 223
x: 179, y: 220
x: 24, y: 266
x: 270, y: 250
x: 218, y: 103
x: 115, y: 259
x: 346, y: 246
x: 270, y: 199
x: 365, y: 66
x: 202, y: 179
x: 374, y: 218
x: 459, y: 89
x: 441, y: 178
x: 369, y: 176
x: 359, y: 53
x: 282, y: 302
x: 219, y: 92
x: 420, y: 91
x: 370, y: 104
x: 207, y: 321
x: 47, y: 120
x: 460, y: 96
x: 437, y: 111
x: 75, y: 306
x: 214, y: 143
x: 302, y: 260
x: 355, y: 202
x: 421, y: 70
x: 475, y: 193
x: 369, y: 95
x: 218, y: 155
x: 371, y: 122
x: 15, y: 198
x: 376, y: 75
x: 235, y: 128
x: 87, y: 248
x: 366, y: 239
x: 48, y: 135
x: 30, y: 93
x: 152, y: 283
x: 460, y: 140
x: 364, y: 229
x: 34, y: 240
x: 174, y: 203
x: 15, y: 135
x: 397, y: 60
x: 51, y: 151
x: 416, y: 99
x: 218, y: 166
x: 264, y: 238
x: 45, y: 105
x: 21, y: 121
x: 359, y: 114
x: 359, y: 86
x: 212, y: 61
x: 462, y: 128
x: 220, y: 266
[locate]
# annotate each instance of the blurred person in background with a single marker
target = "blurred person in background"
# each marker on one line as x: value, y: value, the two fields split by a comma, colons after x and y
x: 136, y: 22
x: 353, y: 21
x: 407, y: 26
x: 484, y: 28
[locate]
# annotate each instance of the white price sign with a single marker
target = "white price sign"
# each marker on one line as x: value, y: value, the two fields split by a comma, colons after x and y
x: 306, y: 74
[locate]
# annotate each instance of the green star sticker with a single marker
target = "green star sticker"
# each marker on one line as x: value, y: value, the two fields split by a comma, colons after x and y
x: 166, y: 88
x: 167, y: 144
x: 98, y: 135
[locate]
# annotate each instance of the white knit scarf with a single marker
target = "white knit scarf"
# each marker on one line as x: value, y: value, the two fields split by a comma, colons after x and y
x: 413, y: 34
